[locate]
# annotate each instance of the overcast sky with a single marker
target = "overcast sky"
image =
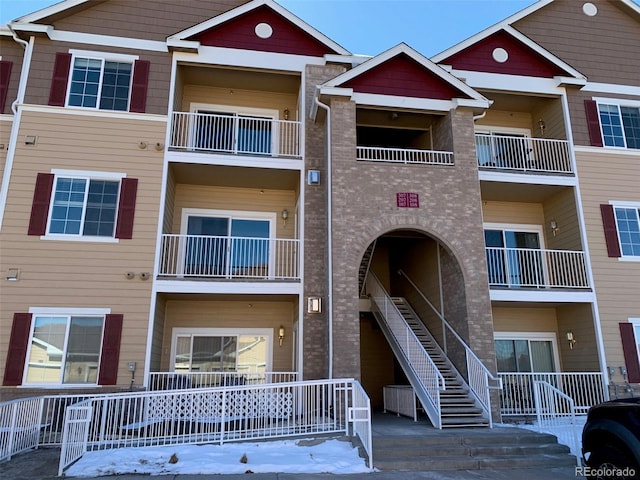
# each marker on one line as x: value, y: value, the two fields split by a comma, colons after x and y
x: 372, y: 26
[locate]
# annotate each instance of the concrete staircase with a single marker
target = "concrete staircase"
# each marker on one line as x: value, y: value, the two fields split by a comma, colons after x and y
x: 470, y: 449
x: 458, y: 406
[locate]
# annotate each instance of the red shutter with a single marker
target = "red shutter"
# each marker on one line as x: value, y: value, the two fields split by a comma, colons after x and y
x: 61, y: 67
x: 610, y: 230
x: 110, y: 349
x: 126, y: 207
x: 17, y: 354
x: 630, y: 351
x: 139, y: 86
x: 5, y: 75
x: 40, y: 205
x: 593, y: 123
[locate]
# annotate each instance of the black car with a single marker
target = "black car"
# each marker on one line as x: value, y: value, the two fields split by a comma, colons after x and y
x: 611, y: 440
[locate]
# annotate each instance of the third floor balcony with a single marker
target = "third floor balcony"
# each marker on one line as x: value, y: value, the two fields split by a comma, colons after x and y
x: 521, y: 154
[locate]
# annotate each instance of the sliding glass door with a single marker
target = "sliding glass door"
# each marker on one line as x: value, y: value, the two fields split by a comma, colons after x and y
x: 227, y: 246
x: 514, y: 258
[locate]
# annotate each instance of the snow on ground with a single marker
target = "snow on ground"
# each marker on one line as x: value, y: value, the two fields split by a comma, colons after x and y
x: 285, y: 456
x: 568, y: 435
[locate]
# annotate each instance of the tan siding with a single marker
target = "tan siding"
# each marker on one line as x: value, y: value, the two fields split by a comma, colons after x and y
x: 513, y: 212
x: 227, y: 314
x: 239, y: 98
x: 12, y: 52
x: 605, y: 177
x: 562, y: 208
x: 524, y: 319
x: 83, y: 274
x: 169, y: 205
x: 551, y: 114
x: 148, y: 19
x: 562, y: 28
x: 5, y: 132
x: 578, y: 318
x: 240, y: 199
x: 41, y: 71
x: 500, y: 118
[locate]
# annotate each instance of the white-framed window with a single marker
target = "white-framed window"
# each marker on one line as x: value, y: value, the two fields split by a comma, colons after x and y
x: 221, y: 349
x: 84, y: 204
x: 227, y: 243
x: 233, y: 129
x: 627, y: 216
x: 526, y: 352
x: 636, y: 332
x: 100, y: 80
x: 514, y: 257
x: 64, y: 346
x: 619, y: 122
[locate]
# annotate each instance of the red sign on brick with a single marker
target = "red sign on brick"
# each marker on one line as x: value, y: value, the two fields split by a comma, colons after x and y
x: 407, y: 200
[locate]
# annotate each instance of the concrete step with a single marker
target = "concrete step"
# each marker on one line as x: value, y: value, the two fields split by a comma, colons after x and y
x: 470, y: 449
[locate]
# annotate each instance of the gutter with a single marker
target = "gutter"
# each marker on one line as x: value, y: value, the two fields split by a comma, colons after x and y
x: 329, y: 237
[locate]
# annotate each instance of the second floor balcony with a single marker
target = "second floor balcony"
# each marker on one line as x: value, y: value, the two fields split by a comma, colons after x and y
x: 234, y: 134
x: 229, y: 257
x: 536, y: 268
x: 520, y: 154
x: 404, y: 155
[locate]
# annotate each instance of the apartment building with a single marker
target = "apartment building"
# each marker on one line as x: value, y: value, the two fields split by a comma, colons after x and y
x: 225, y: 189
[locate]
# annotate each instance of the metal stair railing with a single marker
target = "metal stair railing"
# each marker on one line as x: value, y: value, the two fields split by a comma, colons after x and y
x: 421, y: 371
x: 479, y: 377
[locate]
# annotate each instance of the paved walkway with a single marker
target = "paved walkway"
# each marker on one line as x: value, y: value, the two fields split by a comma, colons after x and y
x: 42, y: 464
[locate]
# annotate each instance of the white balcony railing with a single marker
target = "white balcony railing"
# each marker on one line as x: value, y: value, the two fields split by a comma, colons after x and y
x: 523, y: 154
x: 404, y: 155
x: 172, y: 380
x: 518, y: 398
x: 536, y: 268
x: 235, y: 134
x: 229, y: 257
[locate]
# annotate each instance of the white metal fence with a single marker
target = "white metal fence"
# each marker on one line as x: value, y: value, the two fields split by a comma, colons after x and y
x: 530, y: 267
x: 523, y: 154
x: 177, y: 380
x: 415, y: 354
x: 518, y: 397
x: 400, y: 399
x: 404, y: 155
x: 235, y: 134
x: 219, y: 415
x: 556, y: 414
x: 20, y: 426
x: 229, y: 257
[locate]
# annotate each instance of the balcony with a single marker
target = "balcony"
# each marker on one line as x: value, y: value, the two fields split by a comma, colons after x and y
x: 536, y: 268
x: 235, y: 134
x: 224, y: 257
x: 404, y: 155
x: 518, y: 154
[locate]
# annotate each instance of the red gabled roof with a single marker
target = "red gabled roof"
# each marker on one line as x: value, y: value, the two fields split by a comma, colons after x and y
x: 522, y: 59
x: 240, y: 32
x: 404, y: 77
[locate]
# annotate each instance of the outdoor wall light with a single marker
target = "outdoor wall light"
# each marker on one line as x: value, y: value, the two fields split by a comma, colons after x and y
x: 314, y: 305
x: 542, y: 126
x: 281, y: 335
x: 571, y: 339
x: 13, y: 274
x: 284, y: 214
x: 554, y: 226
x: 313, y: 177
x: 286, y: 114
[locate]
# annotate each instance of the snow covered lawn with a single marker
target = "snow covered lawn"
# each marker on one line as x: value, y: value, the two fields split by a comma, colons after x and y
x: 285, y: 456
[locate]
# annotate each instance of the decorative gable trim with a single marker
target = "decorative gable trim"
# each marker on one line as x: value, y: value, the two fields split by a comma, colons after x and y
x: 459, y: 93
x: 564, y: 72
x: 184, y: 39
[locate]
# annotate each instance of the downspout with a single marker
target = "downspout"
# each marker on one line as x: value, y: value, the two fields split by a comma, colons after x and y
x: 329, y: 237
x: 15, y: 125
